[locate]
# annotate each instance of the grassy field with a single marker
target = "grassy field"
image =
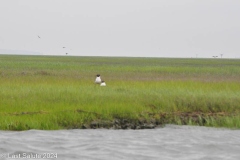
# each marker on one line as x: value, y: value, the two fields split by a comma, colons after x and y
x: 58, y: 92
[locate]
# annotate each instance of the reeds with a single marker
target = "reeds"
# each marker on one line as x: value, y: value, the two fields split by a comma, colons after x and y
x: 50, y: 92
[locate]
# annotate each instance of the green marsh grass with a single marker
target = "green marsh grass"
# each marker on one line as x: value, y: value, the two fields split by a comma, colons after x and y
x: 58, y: 92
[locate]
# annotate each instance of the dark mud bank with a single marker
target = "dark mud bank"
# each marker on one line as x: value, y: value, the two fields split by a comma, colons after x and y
x: 123, y: 124
x: 184, y: 118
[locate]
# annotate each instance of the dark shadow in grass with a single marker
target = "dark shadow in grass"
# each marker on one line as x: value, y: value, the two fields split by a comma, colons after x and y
x: 43, y: 73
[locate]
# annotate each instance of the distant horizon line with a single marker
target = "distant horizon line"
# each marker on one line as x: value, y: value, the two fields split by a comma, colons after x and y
x: 36, y: 53
x: 55, y: 55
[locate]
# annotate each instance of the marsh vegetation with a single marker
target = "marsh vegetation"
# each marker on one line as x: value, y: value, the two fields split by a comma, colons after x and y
x: 58, y: 92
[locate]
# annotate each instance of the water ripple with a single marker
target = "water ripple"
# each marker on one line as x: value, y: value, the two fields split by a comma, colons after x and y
x: 170, y: 142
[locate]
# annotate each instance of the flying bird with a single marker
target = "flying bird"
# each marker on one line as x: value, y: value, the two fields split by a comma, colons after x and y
x: 39, y: 37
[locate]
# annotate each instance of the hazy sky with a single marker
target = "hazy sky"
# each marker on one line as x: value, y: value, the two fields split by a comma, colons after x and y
x: 149, y: 28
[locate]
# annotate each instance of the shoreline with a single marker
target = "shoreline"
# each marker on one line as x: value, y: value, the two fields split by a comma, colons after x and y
x: 147, y: 120
x: 179, y: 118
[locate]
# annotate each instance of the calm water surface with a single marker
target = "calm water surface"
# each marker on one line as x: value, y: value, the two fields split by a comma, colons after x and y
x: 170, y: 142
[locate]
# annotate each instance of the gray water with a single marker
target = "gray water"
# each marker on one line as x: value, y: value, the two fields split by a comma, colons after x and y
x: 170, y: 142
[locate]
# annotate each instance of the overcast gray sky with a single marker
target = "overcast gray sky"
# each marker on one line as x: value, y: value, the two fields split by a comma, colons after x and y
x: 142, y: 28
